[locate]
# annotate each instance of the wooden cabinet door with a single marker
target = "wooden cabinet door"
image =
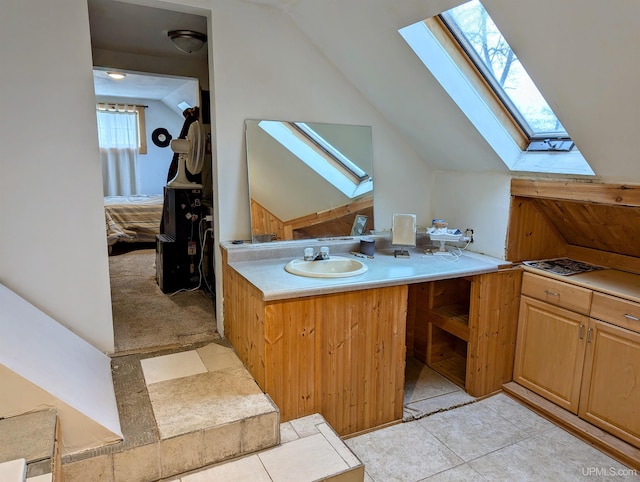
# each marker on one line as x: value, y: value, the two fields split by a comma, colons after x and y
x: 550, y: 350
x: 610, y: 395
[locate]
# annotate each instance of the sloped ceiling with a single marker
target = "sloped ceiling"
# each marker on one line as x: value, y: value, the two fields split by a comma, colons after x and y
x: 581, y: 55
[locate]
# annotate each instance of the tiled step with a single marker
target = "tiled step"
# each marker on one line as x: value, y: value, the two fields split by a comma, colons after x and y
x: 310, y: 451
x: 33, y: 438
x: 180, y: 411
x: 13, y: 470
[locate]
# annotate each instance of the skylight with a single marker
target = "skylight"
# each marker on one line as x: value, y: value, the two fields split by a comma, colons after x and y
x: 309, y: 147
x: 476, y: 32
x: 502, y: 103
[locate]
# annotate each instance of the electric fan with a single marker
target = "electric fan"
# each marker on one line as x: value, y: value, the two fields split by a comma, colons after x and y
x: 190, y: 157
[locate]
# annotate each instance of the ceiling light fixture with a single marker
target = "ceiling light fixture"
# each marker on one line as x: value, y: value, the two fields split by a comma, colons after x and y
x: 116, y: 75
x: 188, y: 41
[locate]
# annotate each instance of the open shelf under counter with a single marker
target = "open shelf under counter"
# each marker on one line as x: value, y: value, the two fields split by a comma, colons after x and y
x: 453, y: 319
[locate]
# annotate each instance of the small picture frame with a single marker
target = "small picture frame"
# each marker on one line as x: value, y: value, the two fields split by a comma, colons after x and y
x: 359, y: 223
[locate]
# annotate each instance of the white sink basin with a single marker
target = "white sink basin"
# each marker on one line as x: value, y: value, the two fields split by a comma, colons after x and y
x: 334, y: 267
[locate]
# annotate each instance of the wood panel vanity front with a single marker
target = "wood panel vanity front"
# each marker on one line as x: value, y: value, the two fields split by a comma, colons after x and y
x: 343, y: 354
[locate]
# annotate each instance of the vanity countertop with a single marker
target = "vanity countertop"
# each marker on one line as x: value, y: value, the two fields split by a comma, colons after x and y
x: 269, y: 276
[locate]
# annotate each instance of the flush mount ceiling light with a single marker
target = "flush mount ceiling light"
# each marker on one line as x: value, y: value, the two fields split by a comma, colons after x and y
x: 116, y: 75
x: 188, y: 41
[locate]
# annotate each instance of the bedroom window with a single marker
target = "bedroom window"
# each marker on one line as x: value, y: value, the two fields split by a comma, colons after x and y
x: 466, y: 53
x: 140, y: 124
x: 119, y: 139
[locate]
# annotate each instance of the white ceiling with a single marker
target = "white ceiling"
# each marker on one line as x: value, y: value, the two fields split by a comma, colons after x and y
x: 138, y: 85
x: 137, y: 29
x: 134, y: 29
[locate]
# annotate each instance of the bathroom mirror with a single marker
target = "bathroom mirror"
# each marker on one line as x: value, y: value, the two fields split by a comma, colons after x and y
x: 309, y: 180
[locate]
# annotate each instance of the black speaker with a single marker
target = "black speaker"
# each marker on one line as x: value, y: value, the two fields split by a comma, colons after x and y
x: 182, y: 213
x: 176, y: 263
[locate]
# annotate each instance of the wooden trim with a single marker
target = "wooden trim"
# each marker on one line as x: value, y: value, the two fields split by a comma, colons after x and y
x: 530, y: 235
x: 604, y: 258
x: 323, y: 216
x: 493, y: 315
x: 576, y: 190
x: 612, y: 446
x: 453, y: 48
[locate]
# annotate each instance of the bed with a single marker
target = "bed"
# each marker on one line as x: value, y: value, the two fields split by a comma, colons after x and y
x: 132, y: 219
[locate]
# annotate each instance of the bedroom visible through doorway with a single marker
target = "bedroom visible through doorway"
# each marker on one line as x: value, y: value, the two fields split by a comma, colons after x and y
x: 158, y: 84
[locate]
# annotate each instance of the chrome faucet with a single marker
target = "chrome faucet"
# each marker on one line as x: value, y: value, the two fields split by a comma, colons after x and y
x: 311, y: 255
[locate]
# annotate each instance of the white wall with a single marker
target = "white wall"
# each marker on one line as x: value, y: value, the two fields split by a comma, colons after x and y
x: 53, y: 249
x: 265, y: 68
x: 478, y: 201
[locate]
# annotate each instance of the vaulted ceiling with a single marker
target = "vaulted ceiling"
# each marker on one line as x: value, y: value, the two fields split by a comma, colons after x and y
x: 581, y: 55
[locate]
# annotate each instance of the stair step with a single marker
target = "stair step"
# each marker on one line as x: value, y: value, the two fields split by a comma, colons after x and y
x: 310, y: 450
x: 180, y: 411
x: 32, y: 437
x: 13, y: 470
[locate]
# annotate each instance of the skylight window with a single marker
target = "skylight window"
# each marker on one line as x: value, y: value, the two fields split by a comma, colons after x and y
x: 312, y: 149
x: 487, y: 48
x: 500, y: 101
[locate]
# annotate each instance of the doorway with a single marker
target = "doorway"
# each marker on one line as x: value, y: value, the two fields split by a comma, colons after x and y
x: 163, y: 81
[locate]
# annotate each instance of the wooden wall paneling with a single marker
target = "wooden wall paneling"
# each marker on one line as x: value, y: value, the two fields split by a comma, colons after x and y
x: 244, y: 321
x: 289, y: 335
x: 582, y: 191
x: 330, y: 351
x: 352, y: 209
x: 417, y: 320
x: 338, y: 225
x: 264, y: 221
x: 493, y: 320
x: 530, y: 234
x: 341, y: 355
x: 603, y: 258
x: 363, y: 352
x: 603, y: 227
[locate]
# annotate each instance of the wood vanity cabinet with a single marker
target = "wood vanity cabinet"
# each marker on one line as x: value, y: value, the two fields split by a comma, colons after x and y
x: 586, y: 362
x: 465, y: 329
x: 339, y: 354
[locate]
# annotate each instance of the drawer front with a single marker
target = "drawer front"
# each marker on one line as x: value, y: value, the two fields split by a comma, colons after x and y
x: 616, y: 311
x: 557, y: 293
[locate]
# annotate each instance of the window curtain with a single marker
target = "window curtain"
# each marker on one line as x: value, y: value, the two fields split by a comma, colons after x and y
x: 118, y: 140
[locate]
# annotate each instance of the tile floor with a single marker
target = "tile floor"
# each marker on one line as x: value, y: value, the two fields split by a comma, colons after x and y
x: 493, y: 439
x: 451, y: 437
x: 427, y: 392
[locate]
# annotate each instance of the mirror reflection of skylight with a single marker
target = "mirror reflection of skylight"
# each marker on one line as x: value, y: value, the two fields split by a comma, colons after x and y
x: 319, y: 155
x: 488, y: 49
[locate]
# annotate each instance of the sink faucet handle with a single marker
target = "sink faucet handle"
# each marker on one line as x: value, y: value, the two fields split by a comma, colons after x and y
x: 324, y: 251
x: 308, y: 254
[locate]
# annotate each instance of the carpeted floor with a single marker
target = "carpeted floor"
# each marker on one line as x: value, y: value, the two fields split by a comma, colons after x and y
x: 144, y: 318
